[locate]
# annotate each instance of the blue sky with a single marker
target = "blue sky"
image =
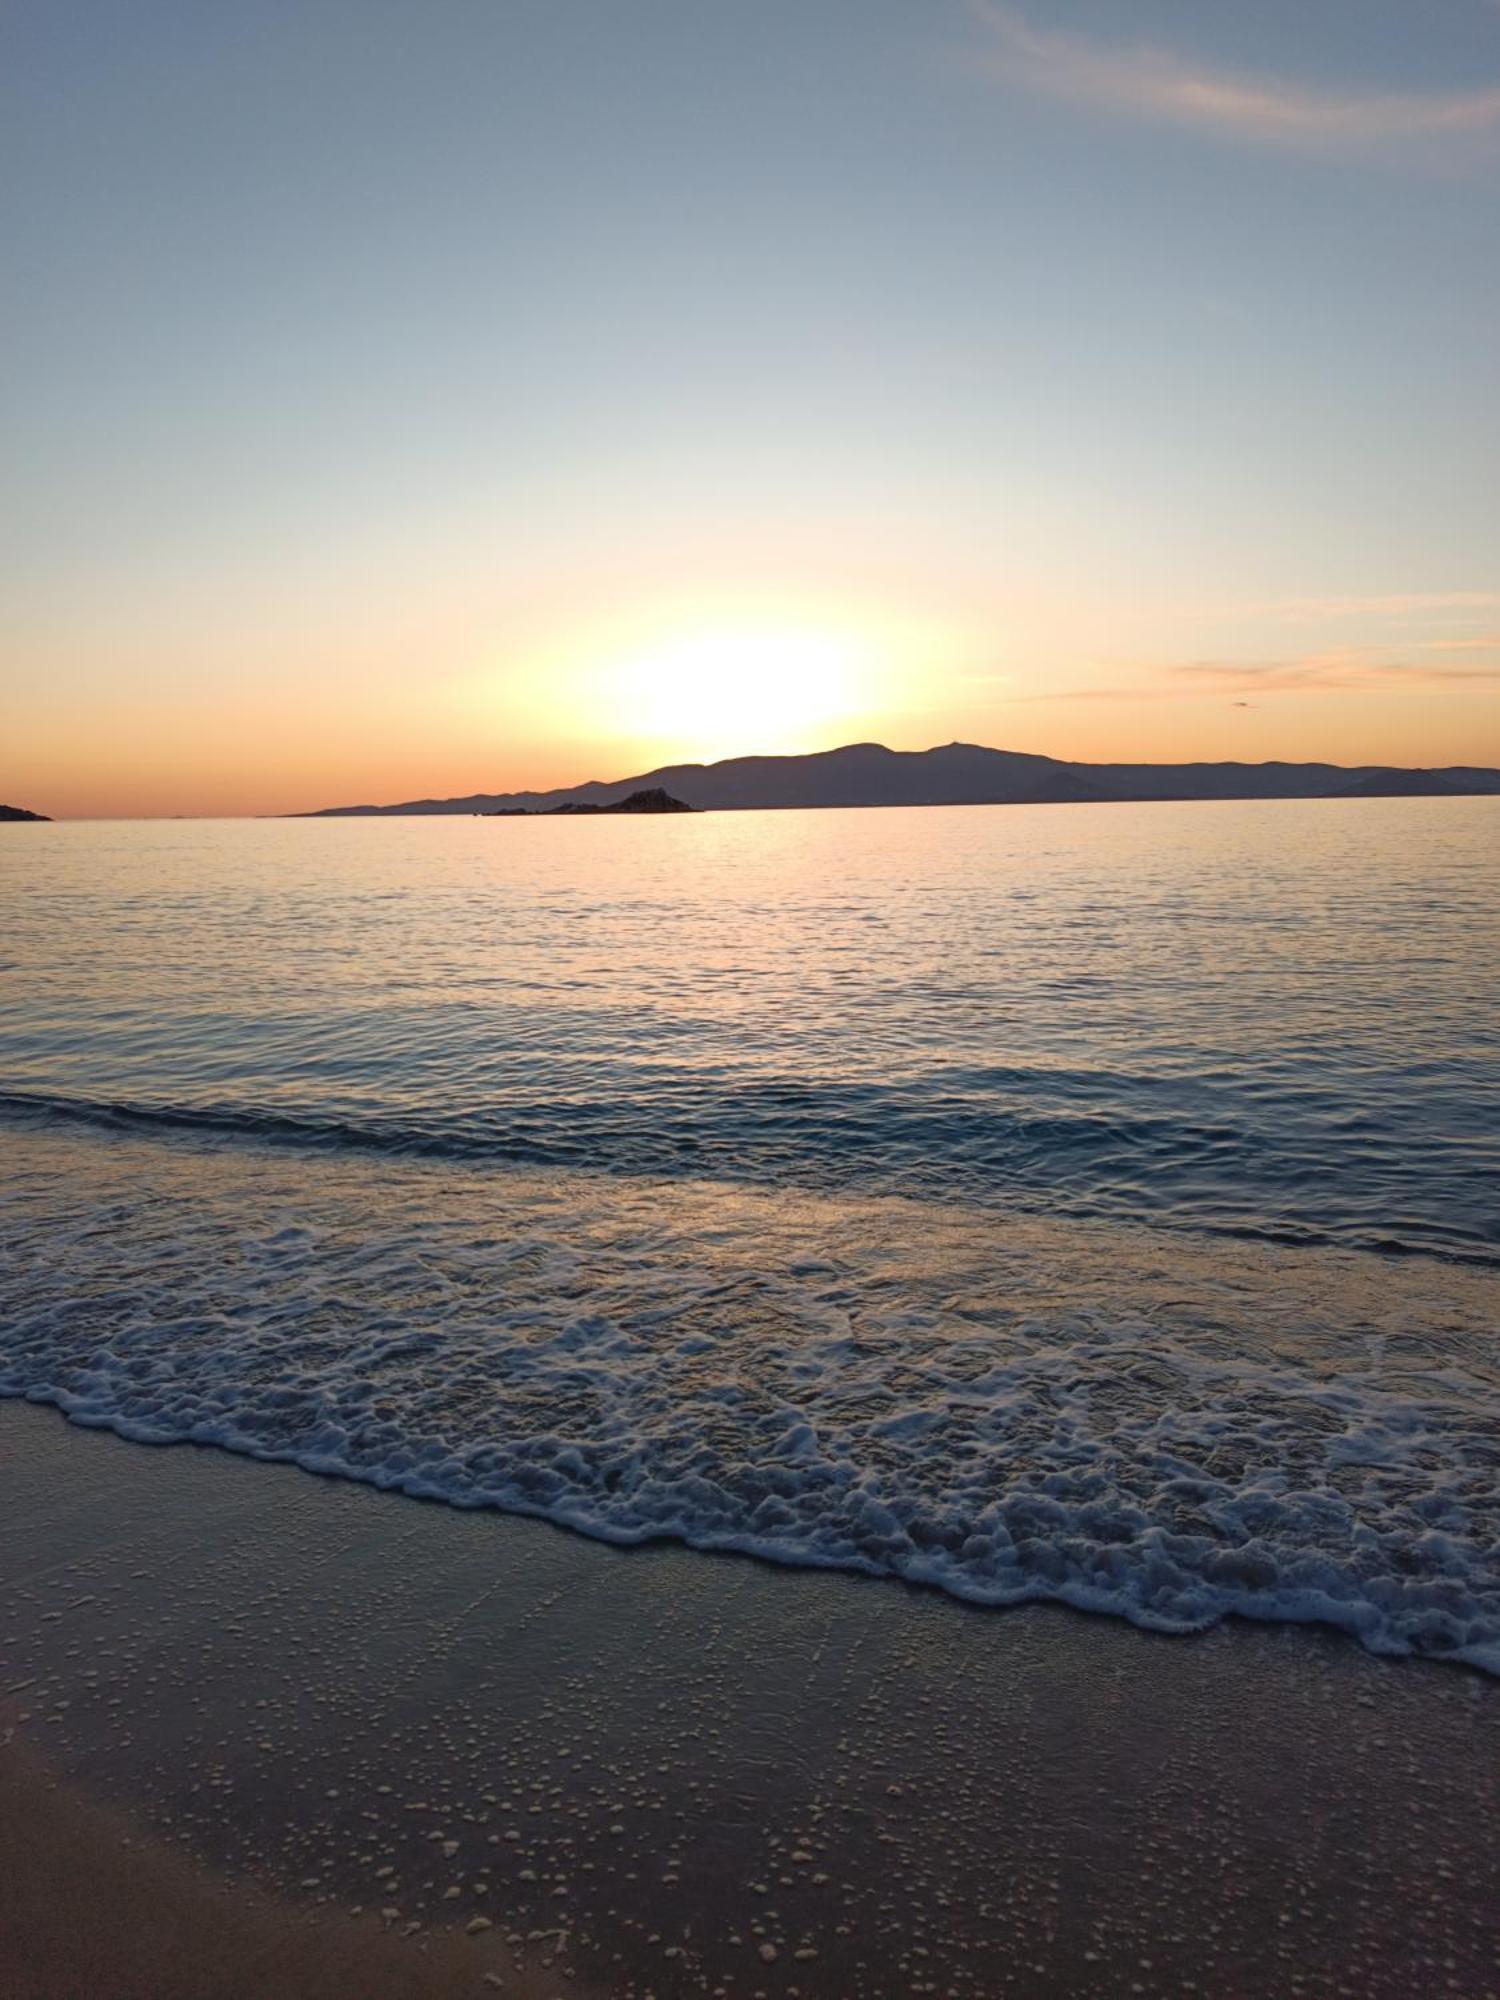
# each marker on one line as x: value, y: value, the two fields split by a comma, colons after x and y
x: 1115, y: 379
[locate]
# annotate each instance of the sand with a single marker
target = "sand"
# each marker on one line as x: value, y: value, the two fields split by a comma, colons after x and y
x: 262, y: 1732
x: 92, y: 1906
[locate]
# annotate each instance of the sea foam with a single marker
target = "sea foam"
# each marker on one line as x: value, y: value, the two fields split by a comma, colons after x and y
x: 1006, y: 1410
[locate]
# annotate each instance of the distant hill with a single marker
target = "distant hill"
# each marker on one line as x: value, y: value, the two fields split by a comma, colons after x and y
x: 653, y: 801
x: 1387, y: 784
x: 20, y: 812
x: 956, y: 774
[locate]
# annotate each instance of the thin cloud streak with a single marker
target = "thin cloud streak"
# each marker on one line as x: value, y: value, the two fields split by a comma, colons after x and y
x: 1393, y: 604
x: 1320, y: 673
x: 1482, y: 642
x: 1158, y: 84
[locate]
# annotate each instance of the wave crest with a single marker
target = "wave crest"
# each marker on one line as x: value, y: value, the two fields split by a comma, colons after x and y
x: 1005, y: 1412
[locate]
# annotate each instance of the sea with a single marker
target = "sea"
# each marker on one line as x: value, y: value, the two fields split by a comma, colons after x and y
x: 1097, y: 1204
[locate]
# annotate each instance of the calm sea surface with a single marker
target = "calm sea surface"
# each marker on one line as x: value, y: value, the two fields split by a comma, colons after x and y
x: 1094, y: 1203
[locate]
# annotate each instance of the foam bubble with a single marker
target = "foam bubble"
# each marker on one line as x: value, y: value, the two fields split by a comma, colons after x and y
x: 1091, y: 1415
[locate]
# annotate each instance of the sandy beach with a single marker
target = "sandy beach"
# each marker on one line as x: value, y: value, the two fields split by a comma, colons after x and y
x: 263, y: 1731
x: 749, y: 1069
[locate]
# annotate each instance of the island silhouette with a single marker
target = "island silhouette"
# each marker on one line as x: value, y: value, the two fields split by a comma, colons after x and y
x: 20, y: 812
x: 653, y: 801
x: 954, y: 774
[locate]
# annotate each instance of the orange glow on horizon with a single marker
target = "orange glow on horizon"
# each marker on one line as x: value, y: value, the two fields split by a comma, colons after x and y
x: 699, y: 681
x: 572, y: 686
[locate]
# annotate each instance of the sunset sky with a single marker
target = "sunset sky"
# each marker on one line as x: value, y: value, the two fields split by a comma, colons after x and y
x: 464, y: 394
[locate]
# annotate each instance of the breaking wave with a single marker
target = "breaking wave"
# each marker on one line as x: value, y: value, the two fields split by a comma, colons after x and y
x: 1006, y: 1409
x: 1179, y: 1172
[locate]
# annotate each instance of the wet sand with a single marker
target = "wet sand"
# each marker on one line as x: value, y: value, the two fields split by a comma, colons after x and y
x: 264, y: 1732
x: 93, y: 1906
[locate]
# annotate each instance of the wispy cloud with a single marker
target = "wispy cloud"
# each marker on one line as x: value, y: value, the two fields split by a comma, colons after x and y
x: 1393, y: 604
x: 1480, y: 642
x: 1321, y: 673
x: 1343, y: 672
x: 1157, y: 83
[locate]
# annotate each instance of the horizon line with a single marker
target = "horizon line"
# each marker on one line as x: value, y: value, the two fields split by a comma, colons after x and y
x: 372, y: 809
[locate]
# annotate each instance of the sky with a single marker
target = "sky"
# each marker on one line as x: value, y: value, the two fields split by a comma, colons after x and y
x: 415, y: 399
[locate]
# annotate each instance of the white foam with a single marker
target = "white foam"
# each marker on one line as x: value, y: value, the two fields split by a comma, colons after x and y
x: 1091, y: 1416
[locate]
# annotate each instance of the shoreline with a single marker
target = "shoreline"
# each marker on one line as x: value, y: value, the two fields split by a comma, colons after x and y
x: 1008, y: 1412
x: 769, y: 1557
x: 689, y: 1768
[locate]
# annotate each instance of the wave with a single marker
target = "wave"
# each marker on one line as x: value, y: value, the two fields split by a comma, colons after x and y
x: 1005, y: 1413
x: 1177, y: 1173
x: 267, y: 1127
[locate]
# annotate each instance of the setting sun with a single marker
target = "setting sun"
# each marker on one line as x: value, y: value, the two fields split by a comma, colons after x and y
x: 720, y: 690
x: 750, y: 870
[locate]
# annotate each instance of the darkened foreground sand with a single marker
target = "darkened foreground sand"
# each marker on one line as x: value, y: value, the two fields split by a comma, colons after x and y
x: 92, y: 1906
x: 264, y: 1733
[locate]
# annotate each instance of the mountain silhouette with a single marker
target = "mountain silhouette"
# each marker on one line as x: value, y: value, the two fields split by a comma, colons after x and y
x: 654, y: 801
x: 955, y: 774
x: 1396, y: 784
